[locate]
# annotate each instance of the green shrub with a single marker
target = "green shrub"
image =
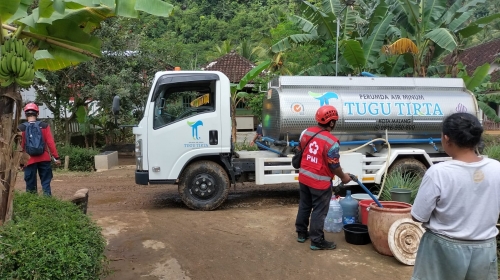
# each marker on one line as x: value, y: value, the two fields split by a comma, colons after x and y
x: 80, y: 159
x: 492, y: 152
x: 50, y: 239
x: 396, y: 179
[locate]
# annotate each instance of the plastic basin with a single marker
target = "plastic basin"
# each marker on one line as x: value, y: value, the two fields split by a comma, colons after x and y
x: 402, y: 195
x: 356, y: 234
x: 361, y: 196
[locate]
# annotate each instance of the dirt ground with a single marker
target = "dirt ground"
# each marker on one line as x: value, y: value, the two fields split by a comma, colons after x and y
x: 152, y: 235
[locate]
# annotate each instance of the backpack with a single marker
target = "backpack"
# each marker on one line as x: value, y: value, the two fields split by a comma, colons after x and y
x: 34, y: 144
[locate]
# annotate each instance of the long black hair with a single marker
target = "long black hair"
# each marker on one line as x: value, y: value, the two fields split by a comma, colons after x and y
x: 463, y: 129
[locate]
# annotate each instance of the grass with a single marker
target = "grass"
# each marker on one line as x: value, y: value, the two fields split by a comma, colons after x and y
x: 491, y: 140
x: 397, y: 179
x: 492, y: 152
x: 245, y: 146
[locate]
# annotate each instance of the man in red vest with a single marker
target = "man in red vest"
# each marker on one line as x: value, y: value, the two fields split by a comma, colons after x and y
x: 320, y: 162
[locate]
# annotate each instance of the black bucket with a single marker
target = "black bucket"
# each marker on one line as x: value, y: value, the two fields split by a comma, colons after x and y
x: 356, y: 234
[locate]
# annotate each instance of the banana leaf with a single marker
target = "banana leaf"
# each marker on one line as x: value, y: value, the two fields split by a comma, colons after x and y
x: 353, y: 54
x: 443, y: 38
x: 477, y: 78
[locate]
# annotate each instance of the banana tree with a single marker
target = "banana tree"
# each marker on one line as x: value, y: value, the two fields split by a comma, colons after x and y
x: 86, y: 116
x: 433, y: 28
x: 237, y: 95
x: 363, y: 54
x: 475, y: 83
x: 319, y: 25
x: 51, y: 35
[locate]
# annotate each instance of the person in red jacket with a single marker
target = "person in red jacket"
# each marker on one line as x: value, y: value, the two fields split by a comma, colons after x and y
x: 40, y: 163
x: 320, y: 162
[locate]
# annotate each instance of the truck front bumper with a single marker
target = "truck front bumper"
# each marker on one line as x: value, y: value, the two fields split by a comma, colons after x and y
x: 141, y: 177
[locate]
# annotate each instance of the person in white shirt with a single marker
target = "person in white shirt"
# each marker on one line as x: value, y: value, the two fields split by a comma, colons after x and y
x: 458, y: 203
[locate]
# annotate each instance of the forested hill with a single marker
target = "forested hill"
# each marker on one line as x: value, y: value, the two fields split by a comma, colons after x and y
x: 190, y: 37
x: 200, y: 31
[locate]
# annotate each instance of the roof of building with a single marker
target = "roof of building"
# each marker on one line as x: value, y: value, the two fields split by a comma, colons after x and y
x: 478, y: 55
x: 233, y: 65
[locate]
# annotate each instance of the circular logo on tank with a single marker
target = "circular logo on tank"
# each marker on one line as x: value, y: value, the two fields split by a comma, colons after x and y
x: 297, y: 108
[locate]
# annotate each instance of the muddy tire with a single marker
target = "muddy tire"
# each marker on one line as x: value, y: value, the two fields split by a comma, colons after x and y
x: 408, y: 165
x: 204, y: 185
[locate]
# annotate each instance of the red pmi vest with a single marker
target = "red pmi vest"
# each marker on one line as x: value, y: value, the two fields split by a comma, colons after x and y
x: 314, y: 171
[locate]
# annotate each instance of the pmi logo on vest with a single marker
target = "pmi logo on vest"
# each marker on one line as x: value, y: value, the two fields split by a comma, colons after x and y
x: 313, y: 149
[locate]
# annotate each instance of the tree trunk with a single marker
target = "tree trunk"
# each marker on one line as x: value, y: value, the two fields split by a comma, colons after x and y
x: 454, y: 63
x: 86, y: 141
x: 10, y: 154
x: 94, y: 139
x: 68, y: 133
x: 233, y: 121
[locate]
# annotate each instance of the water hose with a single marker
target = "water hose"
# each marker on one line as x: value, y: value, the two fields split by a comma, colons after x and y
x: 269, y: 149
x: 386, y: 162
x: 355, y: 179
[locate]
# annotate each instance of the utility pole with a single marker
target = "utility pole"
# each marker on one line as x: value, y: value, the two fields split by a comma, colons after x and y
x: 347, y: 3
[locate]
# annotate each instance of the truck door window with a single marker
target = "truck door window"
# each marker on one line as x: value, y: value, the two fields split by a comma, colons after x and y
x: 178, y: 102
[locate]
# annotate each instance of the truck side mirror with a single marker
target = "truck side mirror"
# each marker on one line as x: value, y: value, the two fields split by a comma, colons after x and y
x: 116, y: 105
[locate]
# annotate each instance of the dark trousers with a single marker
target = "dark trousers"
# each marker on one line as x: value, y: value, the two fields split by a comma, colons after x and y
x: 44, y: 170
x: 318, y: 201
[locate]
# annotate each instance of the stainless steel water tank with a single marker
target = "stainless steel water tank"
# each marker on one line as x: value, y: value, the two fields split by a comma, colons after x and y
x: 407, y: 108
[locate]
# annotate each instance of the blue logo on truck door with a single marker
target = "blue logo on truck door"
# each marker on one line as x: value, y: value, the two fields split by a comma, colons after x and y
x: 194, y: 128
x: 197, y: 143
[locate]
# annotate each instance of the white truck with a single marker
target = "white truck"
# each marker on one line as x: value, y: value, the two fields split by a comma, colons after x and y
x: 184, y: 137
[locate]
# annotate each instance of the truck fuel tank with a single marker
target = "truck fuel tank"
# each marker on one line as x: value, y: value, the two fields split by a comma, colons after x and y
x: 407, y: 108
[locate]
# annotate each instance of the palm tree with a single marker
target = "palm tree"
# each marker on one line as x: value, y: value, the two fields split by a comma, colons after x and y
x: 225, y: 48
x: 247, y: 50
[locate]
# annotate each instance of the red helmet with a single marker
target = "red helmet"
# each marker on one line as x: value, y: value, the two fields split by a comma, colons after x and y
x: 31, y: 107
x: 326, y: 113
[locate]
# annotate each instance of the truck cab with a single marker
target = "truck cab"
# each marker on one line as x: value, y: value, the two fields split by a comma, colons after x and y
x: 186, y: 120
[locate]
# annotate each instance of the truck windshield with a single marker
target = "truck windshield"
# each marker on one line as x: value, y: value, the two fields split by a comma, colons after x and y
x: 181, y: 101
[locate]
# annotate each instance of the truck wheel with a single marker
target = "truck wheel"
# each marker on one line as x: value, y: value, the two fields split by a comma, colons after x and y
x: 204, y: 185
x: 408, y: 166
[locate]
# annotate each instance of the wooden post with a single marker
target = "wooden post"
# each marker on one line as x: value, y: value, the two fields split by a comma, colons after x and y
x: 66, y: 162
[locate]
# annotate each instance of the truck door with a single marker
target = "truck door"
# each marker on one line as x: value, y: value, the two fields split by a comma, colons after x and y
x: 185, y: 122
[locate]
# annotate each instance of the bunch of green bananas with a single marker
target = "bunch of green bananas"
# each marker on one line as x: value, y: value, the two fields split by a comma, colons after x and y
x: 16, y: 64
